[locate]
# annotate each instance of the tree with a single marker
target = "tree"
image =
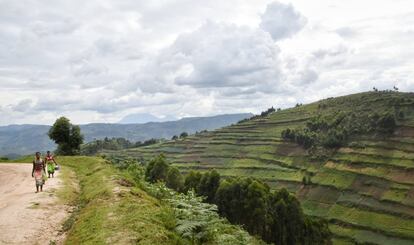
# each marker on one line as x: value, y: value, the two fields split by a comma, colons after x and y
x: 183, y: 135
x: 208, y: 185
x: 387, y: 123
x: 67, y: 136
x: 157, y: 169
x: 175, y: 137
x: 192, y: 181
x: 174, y: 179
x: 401, y: 115
x: 256, y: 207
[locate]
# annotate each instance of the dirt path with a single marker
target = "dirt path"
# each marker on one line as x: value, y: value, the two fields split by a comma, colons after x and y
x: 27, y: 217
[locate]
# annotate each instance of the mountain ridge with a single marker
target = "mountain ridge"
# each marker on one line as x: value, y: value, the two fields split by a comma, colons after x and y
x: 27, y: 138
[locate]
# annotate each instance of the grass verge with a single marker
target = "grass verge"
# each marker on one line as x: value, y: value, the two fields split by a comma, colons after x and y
x: 108, y: 212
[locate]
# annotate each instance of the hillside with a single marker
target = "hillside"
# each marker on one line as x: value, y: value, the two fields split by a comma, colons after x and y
x: 364, y: 185
x: 26, y: 139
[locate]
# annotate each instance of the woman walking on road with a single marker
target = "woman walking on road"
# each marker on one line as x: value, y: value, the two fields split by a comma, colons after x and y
x: 50, y: 163
x: 39, y: 172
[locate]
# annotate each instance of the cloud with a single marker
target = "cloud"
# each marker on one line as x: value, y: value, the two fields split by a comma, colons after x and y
x: 346, y: 32
x: 24, y: 105
x: 219, y: 55
x: 43, y: 28
x: 282, y: 20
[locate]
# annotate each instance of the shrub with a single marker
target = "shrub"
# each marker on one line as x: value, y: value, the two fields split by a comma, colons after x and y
x: 157, y: 169
x: 192, y: 181
x: 208, y: 185
x: 386, y: 123
x: 183, y: 135
x: 174, y: 179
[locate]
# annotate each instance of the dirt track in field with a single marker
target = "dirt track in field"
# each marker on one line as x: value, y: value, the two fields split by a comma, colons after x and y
x: 27, y: 217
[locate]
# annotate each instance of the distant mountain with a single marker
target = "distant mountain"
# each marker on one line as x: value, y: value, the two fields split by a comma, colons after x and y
x: 144, y: 118
x: 26, y: 139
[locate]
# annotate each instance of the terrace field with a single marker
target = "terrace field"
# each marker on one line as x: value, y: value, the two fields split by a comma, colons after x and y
x: 365, y: 188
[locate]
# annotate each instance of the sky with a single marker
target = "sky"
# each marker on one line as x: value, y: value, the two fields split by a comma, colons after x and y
x: 102, y: 60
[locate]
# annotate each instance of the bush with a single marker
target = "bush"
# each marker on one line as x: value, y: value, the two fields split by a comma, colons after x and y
x: 386, y: 123
x: 192, y: 181
x: 157, y: 169
x: 208, y: 185
x: 275, y: 216
x: 174, y: 179
x: 333, y: 131
x: 183, y: 135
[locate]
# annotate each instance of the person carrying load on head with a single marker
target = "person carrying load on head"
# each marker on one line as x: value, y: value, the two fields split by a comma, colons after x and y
x: 38, y: 172
x: 50, y: 163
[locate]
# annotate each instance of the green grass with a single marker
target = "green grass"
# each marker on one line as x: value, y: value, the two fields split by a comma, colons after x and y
x: 23, y: 159
x: 365, y: 236
x: 396, y: 195
x: 337, y: 179
x: 376, y: 221
x: 108, y: 212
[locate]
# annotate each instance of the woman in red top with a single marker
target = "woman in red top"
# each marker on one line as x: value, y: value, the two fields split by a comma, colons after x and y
x: 38, y: 171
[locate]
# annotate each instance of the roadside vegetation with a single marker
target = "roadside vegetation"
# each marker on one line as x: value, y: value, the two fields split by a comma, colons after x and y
x: 196, y: 221
x: 108, y: 210
x: 275, y: 216
x: 114, y: 204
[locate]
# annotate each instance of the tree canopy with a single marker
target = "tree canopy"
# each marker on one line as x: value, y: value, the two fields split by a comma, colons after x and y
x: 67, y: 136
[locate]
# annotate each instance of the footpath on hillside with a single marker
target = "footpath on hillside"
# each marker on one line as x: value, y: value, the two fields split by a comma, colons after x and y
x: 27, y: 217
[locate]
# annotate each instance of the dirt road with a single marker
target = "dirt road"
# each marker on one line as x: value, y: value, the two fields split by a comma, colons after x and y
x: 27, y: 217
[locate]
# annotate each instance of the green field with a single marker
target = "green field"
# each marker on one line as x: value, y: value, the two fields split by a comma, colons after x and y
x: 365, y: 189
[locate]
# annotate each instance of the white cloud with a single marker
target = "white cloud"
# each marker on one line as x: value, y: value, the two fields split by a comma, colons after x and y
x: 228, y: 56
x: 281, y: 20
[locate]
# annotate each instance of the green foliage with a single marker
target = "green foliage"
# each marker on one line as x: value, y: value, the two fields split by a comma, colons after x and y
x: 192, y: 181
x: 204, y: 185
x: 174, y: 179
x: 263, y: 114
x: 183, y: 135
x: 157, y: 169
x: 4, y: 158
x: 208, y: 185
x: 67, y: 136
x: 103, y: 217
x: 113, y: 144
x: 96, y: 146
x: 386, y: 123
x: 243, y: 202
x: 306, y: 180
x: 195, y: 220
x: 275, y: 216
x: 333, y: 130
x: 199, y: 222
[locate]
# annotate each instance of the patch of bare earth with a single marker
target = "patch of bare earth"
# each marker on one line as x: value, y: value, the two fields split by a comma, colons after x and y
x: 27, y: 217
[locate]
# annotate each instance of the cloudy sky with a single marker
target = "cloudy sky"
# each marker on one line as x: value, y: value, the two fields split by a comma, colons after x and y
x: 100, y: 60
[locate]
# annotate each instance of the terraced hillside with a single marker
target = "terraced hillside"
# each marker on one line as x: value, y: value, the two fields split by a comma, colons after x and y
x: 364, y: 188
